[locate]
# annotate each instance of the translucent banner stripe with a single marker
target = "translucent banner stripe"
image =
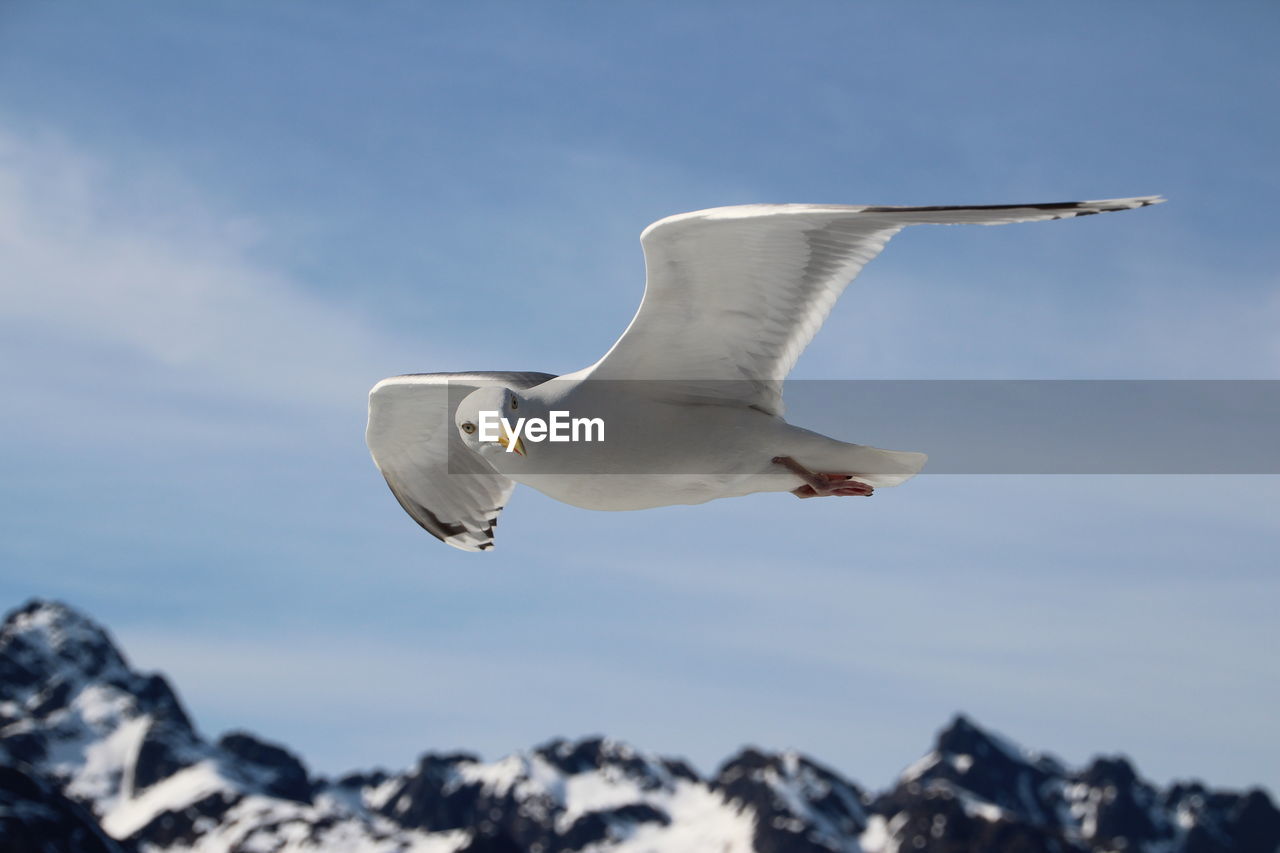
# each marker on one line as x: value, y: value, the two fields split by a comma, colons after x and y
x: 976, y: 426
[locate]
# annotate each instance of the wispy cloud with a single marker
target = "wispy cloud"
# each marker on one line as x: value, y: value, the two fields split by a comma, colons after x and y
x: 100, y: 263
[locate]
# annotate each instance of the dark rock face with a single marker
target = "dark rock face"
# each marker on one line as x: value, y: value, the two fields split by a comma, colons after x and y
x: 45, y: 637
x: 182, y: 826
x: 165, y: 749
x: 935, y: 820
x: 20, y: 669
x: 286, y: 777
x: 799, y: 805
x: 583, y: 756
x: 360, y: 780
x: 156, y: 697
x: 484, y: 842
x: 34, y: 816
x: 24, y: 747
x: 1126, y: 806
x: 441, y: 795
x: 50, y: 654
x: 975, y: 792
x: 66, y: 691
x: 433, y: 797
x: 597, y: 826
x: 976, y: 761
x: 1226, y: 822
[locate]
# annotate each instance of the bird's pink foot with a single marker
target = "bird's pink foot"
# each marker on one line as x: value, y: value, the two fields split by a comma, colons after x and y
x: 823, y: 485
x: 839, y: 485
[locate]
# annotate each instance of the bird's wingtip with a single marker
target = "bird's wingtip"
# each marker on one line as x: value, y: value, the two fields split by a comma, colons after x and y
x: 1136, y: 201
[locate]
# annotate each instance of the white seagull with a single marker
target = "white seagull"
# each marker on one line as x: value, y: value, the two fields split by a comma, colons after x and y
x: 686, y: 406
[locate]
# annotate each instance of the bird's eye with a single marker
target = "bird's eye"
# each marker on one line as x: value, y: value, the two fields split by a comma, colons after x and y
x: 515, y: 404
x: 469, y: 428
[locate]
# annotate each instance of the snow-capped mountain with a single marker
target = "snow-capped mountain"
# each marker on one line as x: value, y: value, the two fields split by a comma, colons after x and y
x: 98, y: 758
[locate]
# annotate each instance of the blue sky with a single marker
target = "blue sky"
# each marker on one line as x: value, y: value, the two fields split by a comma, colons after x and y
x: 220, y: 223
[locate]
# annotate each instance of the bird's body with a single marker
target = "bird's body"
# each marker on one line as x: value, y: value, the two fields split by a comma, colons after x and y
x: 721, y: 451
x: 689, y: 399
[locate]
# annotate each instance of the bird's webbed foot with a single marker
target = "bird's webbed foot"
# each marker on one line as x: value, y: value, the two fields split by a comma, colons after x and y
x: 819, y: 485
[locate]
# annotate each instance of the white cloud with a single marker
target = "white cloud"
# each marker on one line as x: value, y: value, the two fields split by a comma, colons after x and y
x: 99, y: 262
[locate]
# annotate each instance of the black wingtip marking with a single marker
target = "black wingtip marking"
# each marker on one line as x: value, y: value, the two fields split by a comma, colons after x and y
x: 429, y: 521
x: 1073, y: 206
x: 1052, y: 205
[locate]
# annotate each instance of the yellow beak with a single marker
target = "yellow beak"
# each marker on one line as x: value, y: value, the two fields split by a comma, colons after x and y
x: 504, y: 438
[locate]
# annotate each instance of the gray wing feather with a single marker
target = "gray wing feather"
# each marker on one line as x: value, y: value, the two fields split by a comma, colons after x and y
x: 733, y: 295
x: 452, y: 492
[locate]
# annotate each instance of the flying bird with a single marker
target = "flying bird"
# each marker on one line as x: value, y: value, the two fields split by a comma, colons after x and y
x: 686, y: 407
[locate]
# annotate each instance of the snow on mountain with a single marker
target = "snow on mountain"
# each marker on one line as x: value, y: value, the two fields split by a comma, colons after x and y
x: 97, y: 757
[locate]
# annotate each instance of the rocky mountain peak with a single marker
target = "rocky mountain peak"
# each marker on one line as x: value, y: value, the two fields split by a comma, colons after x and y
x: 963, y: 743
x: 55, y: 660
x: 281, y: 773
x: 799, y: 804
x: 1114, y: 770
x: 590, y: 754
x: 97, y: 757
x: 45, y: 642
x: 963, y: 737
x: 968, y: 758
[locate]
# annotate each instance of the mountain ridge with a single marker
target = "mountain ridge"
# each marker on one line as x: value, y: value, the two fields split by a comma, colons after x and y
x: 100, y: 757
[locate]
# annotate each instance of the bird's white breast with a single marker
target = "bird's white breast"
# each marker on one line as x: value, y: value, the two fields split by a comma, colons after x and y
x: 653, y: 453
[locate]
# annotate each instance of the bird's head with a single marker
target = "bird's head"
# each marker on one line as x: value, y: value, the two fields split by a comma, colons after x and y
x: 479, y: 420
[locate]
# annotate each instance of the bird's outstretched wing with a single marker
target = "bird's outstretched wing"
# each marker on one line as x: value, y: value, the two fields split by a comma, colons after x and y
x: 448, y: 488
x: 737, y: 293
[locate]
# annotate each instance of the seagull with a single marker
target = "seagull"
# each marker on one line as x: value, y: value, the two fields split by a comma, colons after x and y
x: 686, y: 407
